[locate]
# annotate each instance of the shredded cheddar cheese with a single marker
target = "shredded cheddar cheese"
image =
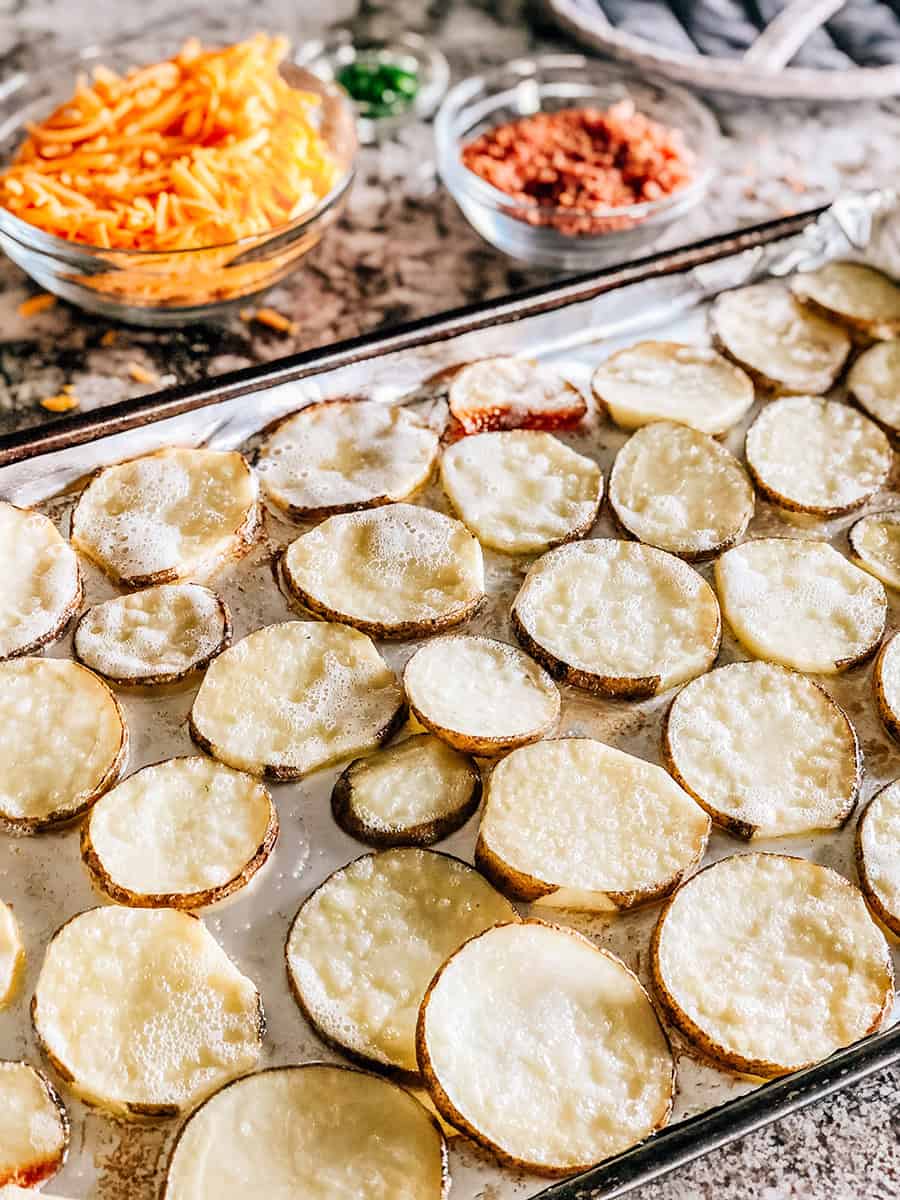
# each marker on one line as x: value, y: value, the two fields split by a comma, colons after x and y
x: 140, y: 374
x: 64, y: 402
x: 36, y: 304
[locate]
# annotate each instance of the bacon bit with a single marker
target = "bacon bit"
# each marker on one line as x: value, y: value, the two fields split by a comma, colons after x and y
x: 110, y: 337
x: 36, y: 304
x: 65, y: 401
x: 271, y: 318
x: 140, y: 374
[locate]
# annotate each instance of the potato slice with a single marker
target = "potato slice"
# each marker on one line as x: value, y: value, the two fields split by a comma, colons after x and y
x: 875, y: 545
x: 522, y: 491
x: 171, y: 1018
x: 292, y: 697
x: 343, y: 455
x: 800, y: 603
x: 174, y: 514
x: 513, y: 393
x: 681, y: 491
x: 12, y: 954
x: 857, y: 296
x: 63, y: 742
x: 479, y: 695
x: 365, y: 945
x: 617, y: 618
x: 34, y: 1127
x: 668, y: 381
x: 411, y: 794
x: 544, y: 1049
x: 765, y: 750
x: 816, y: 456
x: 318, y: 1131
x: 778, y: 342
x: 158, y: 636
x: 394, y: 572
x: 886, y: 682
x: 768, y: 963
x: 874, y: 383
x: 620, y: 831
x: 878, y: 855
x: 42, y: 586
x: 13, y: 1192
x: 179, y: 834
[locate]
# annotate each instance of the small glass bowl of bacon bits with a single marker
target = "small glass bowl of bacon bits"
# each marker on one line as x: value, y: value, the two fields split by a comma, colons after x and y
x: 573, y: 163
x: 161, y: 184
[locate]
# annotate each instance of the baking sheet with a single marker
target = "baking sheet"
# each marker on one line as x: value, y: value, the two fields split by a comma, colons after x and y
x: 45, y: 881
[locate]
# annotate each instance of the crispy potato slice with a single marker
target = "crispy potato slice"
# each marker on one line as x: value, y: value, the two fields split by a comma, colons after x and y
x: 158, y: 636
x: 292, y: 697
x: 878, y: 855
x: 343, y: 455
x: 886, y: 683
x: 764, y: 750
x: 399, y: 571
x: 875, y: 545
x: 874, y: 383
x: 681, y: 491
x: 522, y: 491
x: 42, y: 586
x: 768, y: 963
x: 12, y: 954
x: 620, y: 831
x: 544, y: 1049
x: 171, y: 1016
x: 778, y: 342
x: 317, y: 1131
x: 63, y: 742
x: 617, y: 618
x: 854, y: 295
x: 816, y: 456
x: 800, y: 603
x: 34, y: 1127
x: 381, y: 927
x: 180, y: 834
x: 479, y: 695
x: 668, y: 381
x: 513, y: 393
x: 411, y: 794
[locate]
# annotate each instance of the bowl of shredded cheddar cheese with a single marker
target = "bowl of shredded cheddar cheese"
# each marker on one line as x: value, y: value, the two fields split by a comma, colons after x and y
x: 161, y: 193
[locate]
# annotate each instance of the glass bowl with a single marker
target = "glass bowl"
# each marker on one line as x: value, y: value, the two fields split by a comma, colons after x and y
x: 150, y: 287
x: 527, y: 230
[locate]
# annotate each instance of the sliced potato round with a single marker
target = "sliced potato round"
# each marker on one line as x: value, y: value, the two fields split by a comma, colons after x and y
x: 290, y: 698
x: 399, y: 571
x: 411, y: 794
x: 768, y: 963
x: 479, y: 695
x: 874, y: 383
x: 668, y: 381
x: 620, y: 831
x: 342, y: 455
x: 318, y: 1131
x: 513, y: 393
x: 63, y: 742
x: 167, y: 516
x: 781, y: 345
x: 522, y: 491
x: 160, y: 635
x: 142, y: 1012
x: 41, y: 588
x: 816, y: 456
x: 680, y: 490
x: 875, y: 545
x: 12, y: 954
x: 800, y: 603
x: 13, y: 1192
x: 854, y: 295
x: 617, y: 618
x: 365, y: 945
x: 34, y: 1127
x: 878, y: 855
x: 180, y: 834
x: 765, y: 750
x: 544, y: 1048
x: 886, y: 682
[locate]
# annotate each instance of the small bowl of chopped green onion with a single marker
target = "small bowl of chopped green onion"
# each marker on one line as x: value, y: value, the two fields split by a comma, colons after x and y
x: 391, y: 81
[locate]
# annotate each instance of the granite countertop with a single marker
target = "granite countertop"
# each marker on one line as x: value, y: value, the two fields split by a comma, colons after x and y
x: 404, y: 251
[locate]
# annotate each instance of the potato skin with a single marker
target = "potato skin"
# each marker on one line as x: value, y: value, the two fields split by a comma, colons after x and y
x: 885, y: 917
x: 889, y: 718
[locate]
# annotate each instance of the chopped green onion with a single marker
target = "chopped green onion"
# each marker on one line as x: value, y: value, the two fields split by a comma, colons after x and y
x: 380, y: 89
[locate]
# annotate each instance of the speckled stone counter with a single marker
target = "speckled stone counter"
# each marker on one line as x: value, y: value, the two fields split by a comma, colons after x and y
x: 403, y: 251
